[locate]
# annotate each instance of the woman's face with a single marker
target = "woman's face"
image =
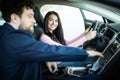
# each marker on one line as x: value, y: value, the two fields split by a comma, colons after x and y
x: 52, y: 22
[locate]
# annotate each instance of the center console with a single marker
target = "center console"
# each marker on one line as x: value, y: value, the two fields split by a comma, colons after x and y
x: 111, y: 52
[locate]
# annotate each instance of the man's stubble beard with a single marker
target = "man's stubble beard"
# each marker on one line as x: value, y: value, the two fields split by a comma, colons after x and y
x: 29, y: 29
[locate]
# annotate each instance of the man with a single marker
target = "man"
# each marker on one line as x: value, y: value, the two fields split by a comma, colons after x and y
x: 20, y: 54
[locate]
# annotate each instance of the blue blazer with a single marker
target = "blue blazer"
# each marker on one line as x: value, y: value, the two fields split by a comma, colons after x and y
x: 21, y: 55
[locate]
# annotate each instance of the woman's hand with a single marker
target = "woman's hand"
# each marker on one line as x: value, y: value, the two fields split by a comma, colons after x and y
x: 52, y: 66
x: 90, y: 34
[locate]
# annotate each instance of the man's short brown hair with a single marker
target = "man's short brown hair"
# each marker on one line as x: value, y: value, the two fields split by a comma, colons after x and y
x: 8, y: 7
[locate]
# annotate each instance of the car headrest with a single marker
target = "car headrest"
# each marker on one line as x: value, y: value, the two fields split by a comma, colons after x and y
x: 38, y: 17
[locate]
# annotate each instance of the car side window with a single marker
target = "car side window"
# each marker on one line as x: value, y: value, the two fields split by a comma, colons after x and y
x: 71, y: 19
x: 2, y: 21
x: 92, y: 16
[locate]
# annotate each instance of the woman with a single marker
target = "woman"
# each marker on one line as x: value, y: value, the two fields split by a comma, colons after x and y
x: 53, y: 28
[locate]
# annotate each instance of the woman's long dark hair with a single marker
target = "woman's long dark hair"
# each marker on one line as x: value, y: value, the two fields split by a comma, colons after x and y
x: 58, y: 32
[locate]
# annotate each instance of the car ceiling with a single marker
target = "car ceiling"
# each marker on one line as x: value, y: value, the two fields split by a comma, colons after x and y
x: 114, y: 3
x: 90, y: 5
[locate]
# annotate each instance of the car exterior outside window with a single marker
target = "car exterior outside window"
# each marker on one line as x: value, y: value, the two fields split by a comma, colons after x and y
x: 2, y: 21
x: 92, y: 16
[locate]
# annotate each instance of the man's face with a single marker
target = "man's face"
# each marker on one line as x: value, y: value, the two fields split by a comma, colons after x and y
x: 27, y: 20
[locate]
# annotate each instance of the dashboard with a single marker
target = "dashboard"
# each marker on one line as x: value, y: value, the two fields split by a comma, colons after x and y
x: 112, y: 50
x: 109, y: 64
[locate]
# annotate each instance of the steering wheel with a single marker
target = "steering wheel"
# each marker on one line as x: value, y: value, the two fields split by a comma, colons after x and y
x: 90, y: 42
x: 94, y: 25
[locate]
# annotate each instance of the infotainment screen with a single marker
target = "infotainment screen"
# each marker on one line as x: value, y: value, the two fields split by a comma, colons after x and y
x: 109, y: 34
